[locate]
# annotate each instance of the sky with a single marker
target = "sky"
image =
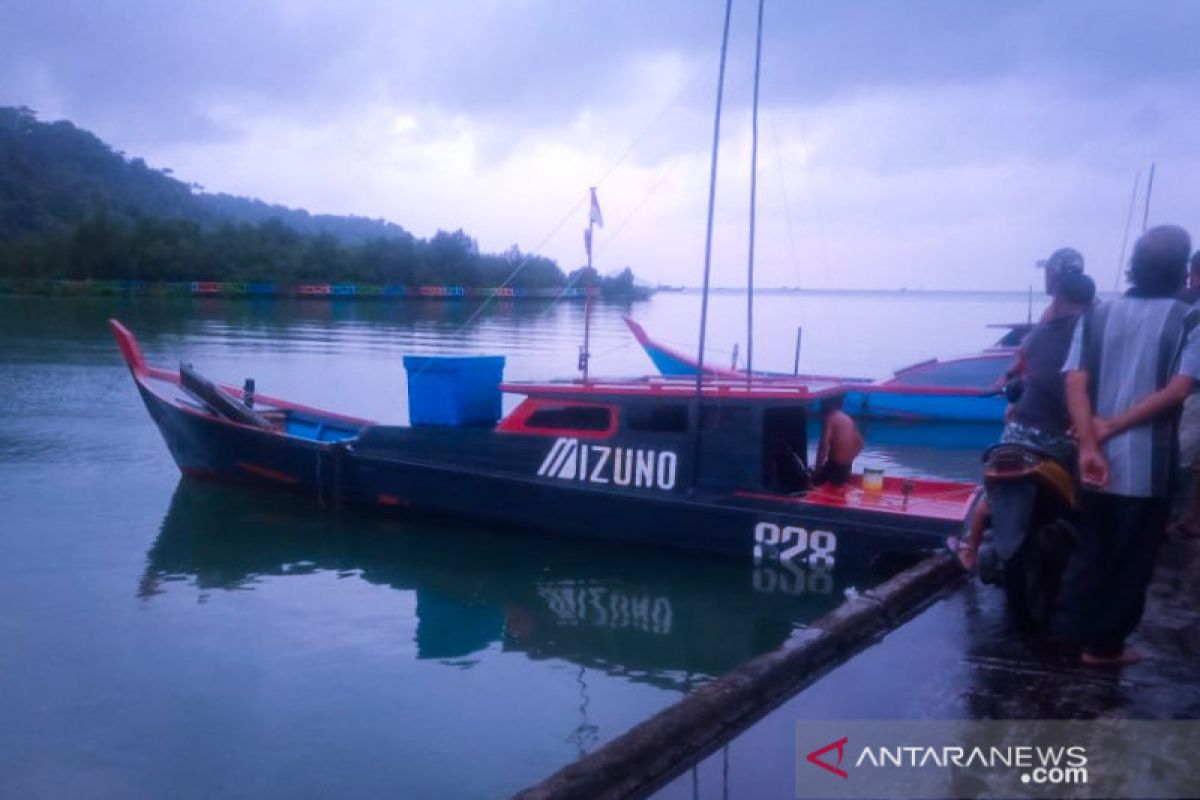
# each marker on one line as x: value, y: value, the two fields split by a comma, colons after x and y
x: 915, y: 144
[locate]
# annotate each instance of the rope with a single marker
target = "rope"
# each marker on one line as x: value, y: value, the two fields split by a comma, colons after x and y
x: 616, y: 349
x: 574, y: 208
x: 818, y: 218
x: 617, y: 231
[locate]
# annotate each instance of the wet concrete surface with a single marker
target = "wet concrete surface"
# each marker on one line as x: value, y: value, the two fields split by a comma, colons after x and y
x: 963, y: 659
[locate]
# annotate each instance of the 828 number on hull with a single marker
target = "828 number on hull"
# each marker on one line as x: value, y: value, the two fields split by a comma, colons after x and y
x: 793, y: 544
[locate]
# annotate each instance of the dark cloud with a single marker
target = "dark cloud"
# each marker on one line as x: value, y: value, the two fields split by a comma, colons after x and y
x: 162, y: 67
x: 167, y: 70
x: 913, y: 134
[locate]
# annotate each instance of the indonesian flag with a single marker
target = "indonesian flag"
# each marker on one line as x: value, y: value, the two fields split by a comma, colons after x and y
x: 594, y: 215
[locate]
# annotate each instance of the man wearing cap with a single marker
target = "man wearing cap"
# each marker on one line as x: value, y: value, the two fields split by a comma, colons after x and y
x: 1039, y: 416
x: 1132, y: 362
x: 1063, y: 261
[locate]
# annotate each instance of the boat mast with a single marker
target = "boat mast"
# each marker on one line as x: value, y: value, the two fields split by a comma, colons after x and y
x: 594, y: 218
x: 1149, y: 191
x: 753, y: 200
x: 1137, y: 180
x: 708, y: 235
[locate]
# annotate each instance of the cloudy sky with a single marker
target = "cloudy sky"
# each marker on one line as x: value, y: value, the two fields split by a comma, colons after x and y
x: 902, y: 144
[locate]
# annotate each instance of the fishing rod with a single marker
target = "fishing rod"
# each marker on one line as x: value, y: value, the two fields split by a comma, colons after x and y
x: 708, y: 235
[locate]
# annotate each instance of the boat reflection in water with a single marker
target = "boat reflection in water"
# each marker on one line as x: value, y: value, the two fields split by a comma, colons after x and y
x: 661, y: 617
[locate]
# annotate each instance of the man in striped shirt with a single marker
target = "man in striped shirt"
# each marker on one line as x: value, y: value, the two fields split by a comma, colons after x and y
x: 1132, y: 362
x: 1189, y: 425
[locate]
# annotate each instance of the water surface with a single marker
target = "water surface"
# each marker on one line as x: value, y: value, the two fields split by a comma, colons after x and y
x: 169, y: 638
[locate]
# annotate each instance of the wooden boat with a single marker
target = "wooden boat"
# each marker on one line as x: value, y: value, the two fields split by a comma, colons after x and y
x: 957, y: 389
x: 648, y: 461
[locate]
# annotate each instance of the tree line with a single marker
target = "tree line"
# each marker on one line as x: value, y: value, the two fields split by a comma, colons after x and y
x: 72, y: 207
x: 104, y: 247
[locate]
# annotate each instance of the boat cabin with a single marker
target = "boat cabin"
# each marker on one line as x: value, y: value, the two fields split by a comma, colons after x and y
x: 752, y: 436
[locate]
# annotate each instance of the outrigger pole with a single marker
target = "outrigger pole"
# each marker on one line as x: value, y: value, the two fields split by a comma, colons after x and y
x: 753, y: 200
x: 708, y: 235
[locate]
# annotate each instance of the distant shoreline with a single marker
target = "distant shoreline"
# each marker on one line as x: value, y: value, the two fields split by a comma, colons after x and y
x: 364, y: 291
x: 784, y: 290
x: 304, y: 291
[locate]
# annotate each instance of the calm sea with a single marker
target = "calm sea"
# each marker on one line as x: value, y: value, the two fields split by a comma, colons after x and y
x: 160, y: 637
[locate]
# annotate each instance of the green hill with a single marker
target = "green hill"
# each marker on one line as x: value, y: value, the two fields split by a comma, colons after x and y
x: 72, y: 207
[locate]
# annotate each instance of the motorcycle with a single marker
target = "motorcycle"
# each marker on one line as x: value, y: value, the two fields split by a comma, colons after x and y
x: 1031, y: 534
x: 1031, y: 495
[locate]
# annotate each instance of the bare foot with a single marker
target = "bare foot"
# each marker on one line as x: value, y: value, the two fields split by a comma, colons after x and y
x: 964, y: 551
x: 1123, y: 659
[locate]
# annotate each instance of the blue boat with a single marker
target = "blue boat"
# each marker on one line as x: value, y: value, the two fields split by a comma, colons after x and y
x: 958, y: 389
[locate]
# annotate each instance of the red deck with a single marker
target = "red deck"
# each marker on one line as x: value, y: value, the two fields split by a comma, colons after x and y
x: 928, y: 499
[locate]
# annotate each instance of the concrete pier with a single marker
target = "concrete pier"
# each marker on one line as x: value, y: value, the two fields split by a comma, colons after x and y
x: 959, y: 658
x: 962, y: 659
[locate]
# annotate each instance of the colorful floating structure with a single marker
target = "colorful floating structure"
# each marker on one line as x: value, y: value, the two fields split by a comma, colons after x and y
x: 308, y: 291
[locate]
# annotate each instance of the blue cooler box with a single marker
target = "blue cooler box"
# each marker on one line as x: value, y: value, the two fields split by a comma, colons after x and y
x: 454, y: 390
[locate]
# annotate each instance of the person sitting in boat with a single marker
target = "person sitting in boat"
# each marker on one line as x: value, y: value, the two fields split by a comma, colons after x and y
x: 1039, y: 415
x: 840, y: 444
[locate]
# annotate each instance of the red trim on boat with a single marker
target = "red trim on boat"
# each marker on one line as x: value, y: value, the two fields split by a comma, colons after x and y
x: 130, y: 350
x: 731, y: 389
x: 266, y: 472
x: 158, y: 373
x: 517, y: 421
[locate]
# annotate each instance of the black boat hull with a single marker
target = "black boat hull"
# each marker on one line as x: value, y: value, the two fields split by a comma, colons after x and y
x: 770, y: 531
